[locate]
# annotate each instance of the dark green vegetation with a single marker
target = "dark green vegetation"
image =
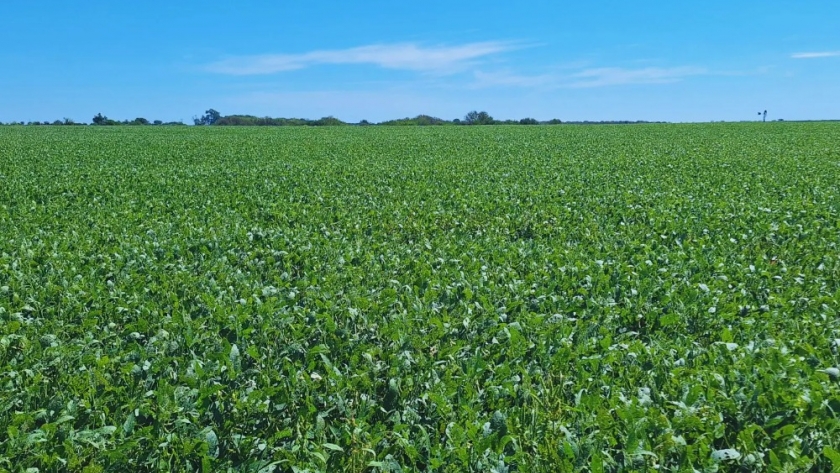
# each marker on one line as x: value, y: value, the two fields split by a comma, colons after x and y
x: 213, y: 117
x: 448, y: 299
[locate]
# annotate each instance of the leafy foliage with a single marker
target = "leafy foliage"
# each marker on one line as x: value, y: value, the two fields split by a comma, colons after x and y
x: 210, y: 117
x: 478, y: 118
x: 419, y: 120
x: 426, y: 298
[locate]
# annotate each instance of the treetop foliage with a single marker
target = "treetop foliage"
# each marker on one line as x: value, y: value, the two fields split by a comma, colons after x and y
x: 213, y: 117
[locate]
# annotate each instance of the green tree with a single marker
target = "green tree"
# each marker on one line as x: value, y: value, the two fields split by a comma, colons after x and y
x: 478, y: 118
x: 100, y: 119
x: 210, y: 117
x: 328, y: 121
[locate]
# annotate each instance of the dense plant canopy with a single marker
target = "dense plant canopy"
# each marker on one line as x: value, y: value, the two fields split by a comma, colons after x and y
x: 441, y: 298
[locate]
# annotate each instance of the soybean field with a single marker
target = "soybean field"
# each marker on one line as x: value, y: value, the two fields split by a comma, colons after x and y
x: 391, y: 299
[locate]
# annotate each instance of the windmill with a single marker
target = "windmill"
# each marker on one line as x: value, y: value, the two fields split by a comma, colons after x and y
x: 765, y: 116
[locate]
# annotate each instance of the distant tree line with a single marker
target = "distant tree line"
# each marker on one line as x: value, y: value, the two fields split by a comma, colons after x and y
x: 214, y: 118
x: 102, y: 120
x: 250, y: 120
x: 98, y: 120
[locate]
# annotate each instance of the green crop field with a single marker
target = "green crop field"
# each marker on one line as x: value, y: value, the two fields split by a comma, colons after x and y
x: 496, y: 299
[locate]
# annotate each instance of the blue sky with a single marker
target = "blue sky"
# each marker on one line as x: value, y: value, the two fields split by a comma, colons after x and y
x: 376, y: 60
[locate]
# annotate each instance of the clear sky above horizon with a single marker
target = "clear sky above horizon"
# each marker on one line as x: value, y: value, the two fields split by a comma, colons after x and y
x: 378, y: 60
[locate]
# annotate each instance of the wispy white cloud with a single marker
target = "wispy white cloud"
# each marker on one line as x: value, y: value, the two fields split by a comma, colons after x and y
x: 814, y: 55
x: 607, y: 76
x: 405, y: 56
x: 590, y: 77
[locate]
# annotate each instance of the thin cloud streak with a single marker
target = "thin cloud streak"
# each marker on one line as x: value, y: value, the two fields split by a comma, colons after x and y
x: 607, y: 76
x: 586, y: 78
x: 403, y: 56
x: 815, y: 55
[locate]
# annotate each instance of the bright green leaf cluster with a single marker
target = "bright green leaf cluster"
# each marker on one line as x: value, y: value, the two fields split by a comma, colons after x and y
x: 615, y: 298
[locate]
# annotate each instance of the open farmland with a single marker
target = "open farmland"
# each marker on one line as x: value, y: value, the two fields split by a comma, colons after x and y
x: 497, y: 299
